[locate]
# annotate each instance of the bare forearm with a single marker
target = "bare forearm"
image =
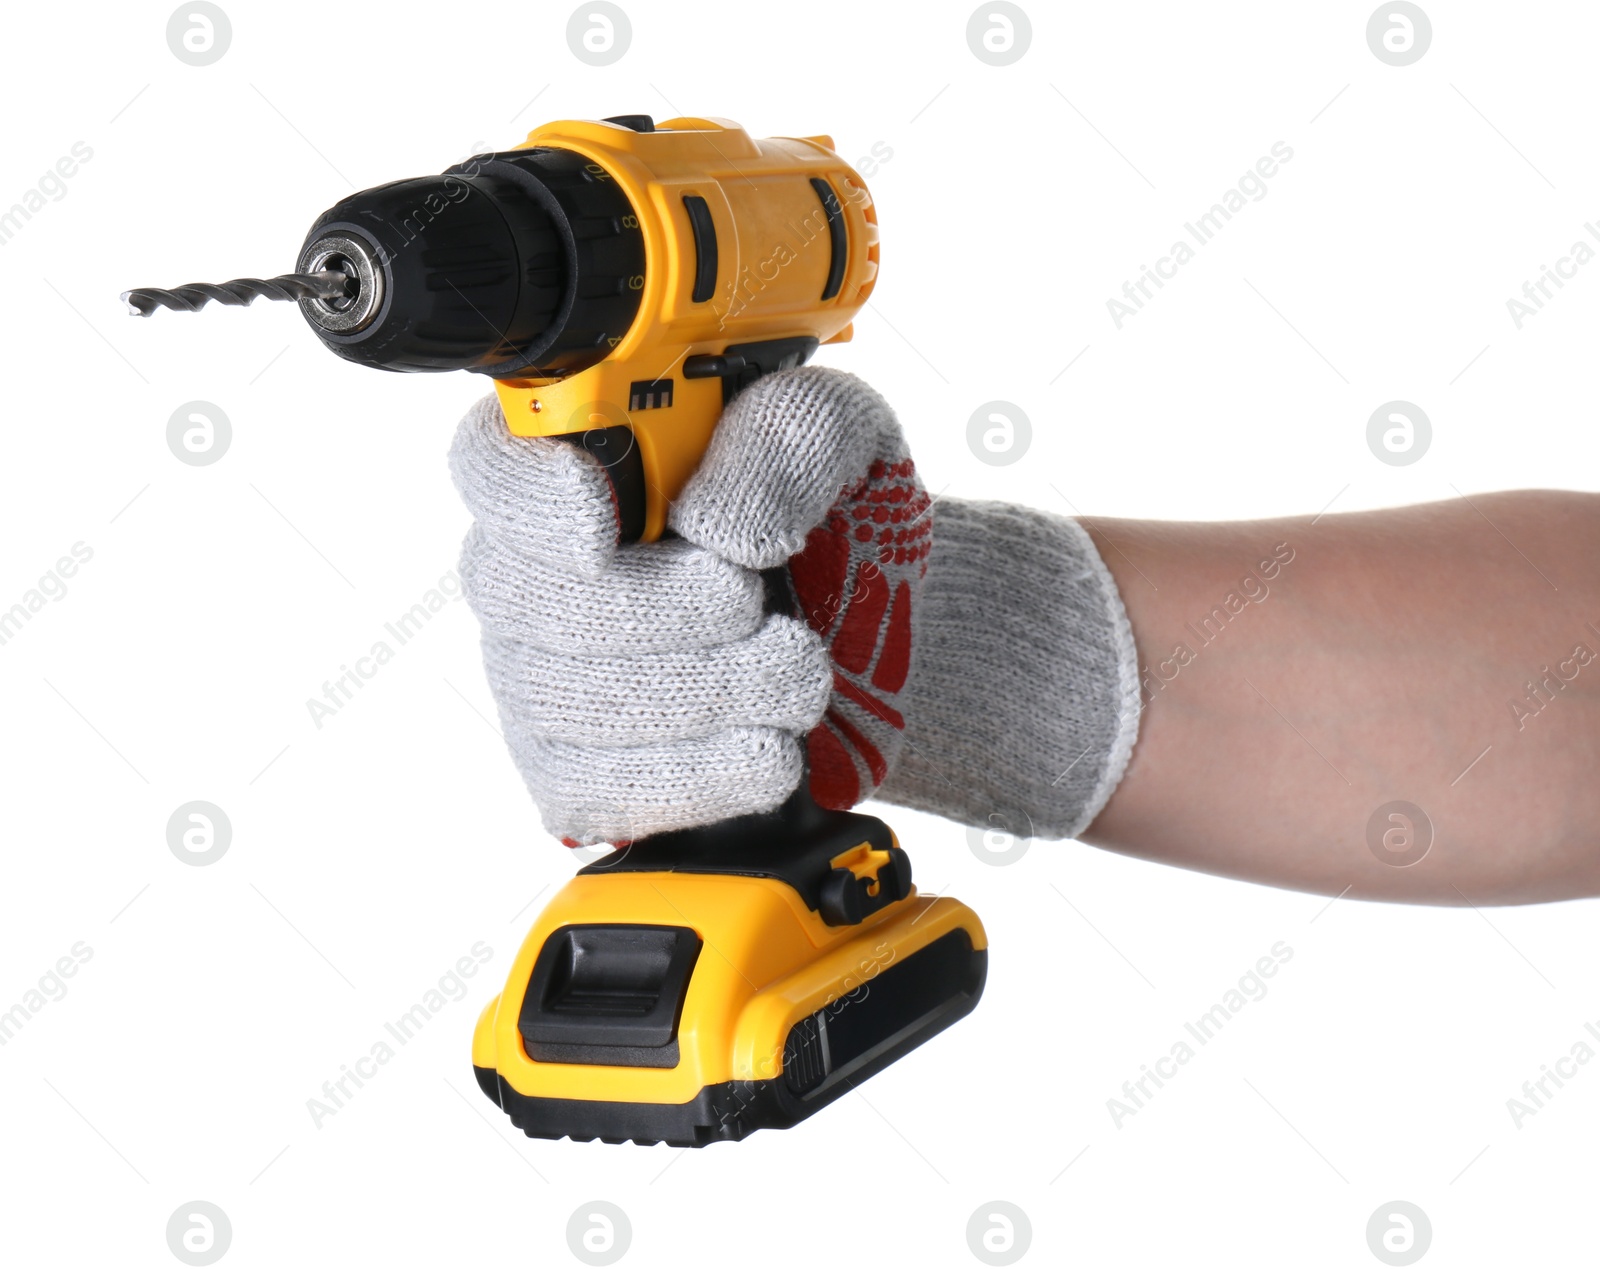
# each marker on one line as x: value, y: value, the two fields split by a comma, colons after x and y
x: 1301, y: 675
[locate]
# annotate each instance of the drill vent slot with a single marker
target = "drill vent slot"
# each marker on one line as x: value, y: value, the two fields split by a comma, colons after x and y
x: 705, y: 248
x: 838, y: 243
x: 650, y: 394
x: 805, y: 1054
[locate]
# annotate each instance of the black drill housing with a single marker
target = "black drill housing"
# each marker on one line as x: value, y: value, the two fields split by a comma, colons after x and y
x: 513, y: 263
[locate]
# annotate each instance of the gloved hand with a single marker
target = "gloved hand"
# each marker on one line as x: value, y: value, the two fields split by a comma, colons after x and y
x: 643, y: 688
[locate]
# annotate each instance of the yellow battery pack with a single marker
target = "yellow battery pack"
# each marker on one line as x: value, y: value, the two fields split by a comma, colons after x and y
x: 703, y: 984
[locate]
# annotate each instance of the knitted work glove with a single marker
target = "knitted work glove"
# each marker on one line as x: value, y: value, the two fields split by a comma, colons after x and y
x: 1023, y: 703
x: 644, y: 688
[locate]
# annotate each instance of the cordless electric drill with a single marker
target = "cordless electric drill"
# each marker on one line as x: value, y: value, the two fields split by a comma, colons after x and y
x: 620, y: 281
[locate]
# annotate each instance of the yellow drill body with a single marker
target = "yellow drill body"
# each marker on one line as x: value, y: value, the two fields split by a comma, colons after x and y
x: 774, y: 255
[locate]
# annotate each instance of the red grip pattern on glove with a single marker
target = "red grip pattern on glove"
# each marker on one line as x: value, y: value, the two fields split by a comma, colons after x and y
x: 854, y: 582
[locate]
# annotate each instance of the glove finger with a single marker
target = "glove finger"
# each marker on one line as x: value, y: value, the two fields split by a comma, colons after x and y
x: 783, y: 451
x: 778, y: 678
x: 539, y: 497
x: 669, y: 596
x: 621, y: 795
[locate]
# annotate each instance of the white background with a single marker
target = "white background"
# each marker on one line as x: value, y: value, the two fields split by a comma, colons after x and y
x: 369, y: 855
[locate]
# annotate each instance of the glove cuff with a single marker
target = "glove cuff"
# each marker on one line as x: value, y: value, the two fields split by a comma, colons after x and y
x: 1022, y: 705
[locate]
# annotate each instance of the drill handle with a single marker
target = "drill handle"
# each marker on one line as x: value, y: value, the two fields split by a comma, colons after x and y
x: 845, y: 865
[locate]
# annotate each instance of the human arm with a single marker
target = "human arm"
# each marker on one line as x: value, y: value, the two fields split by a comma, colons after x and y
x: 1389, y: 661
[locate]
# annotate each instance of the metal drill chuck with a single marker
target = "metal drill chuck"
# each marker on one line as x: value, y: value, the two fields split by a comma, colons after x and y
x: 519, y: 262
x: 359, y: 266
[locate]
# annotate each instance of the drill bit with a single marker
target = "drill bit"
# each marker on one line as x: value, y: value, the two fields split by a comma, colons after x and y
x: 327, y: 284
